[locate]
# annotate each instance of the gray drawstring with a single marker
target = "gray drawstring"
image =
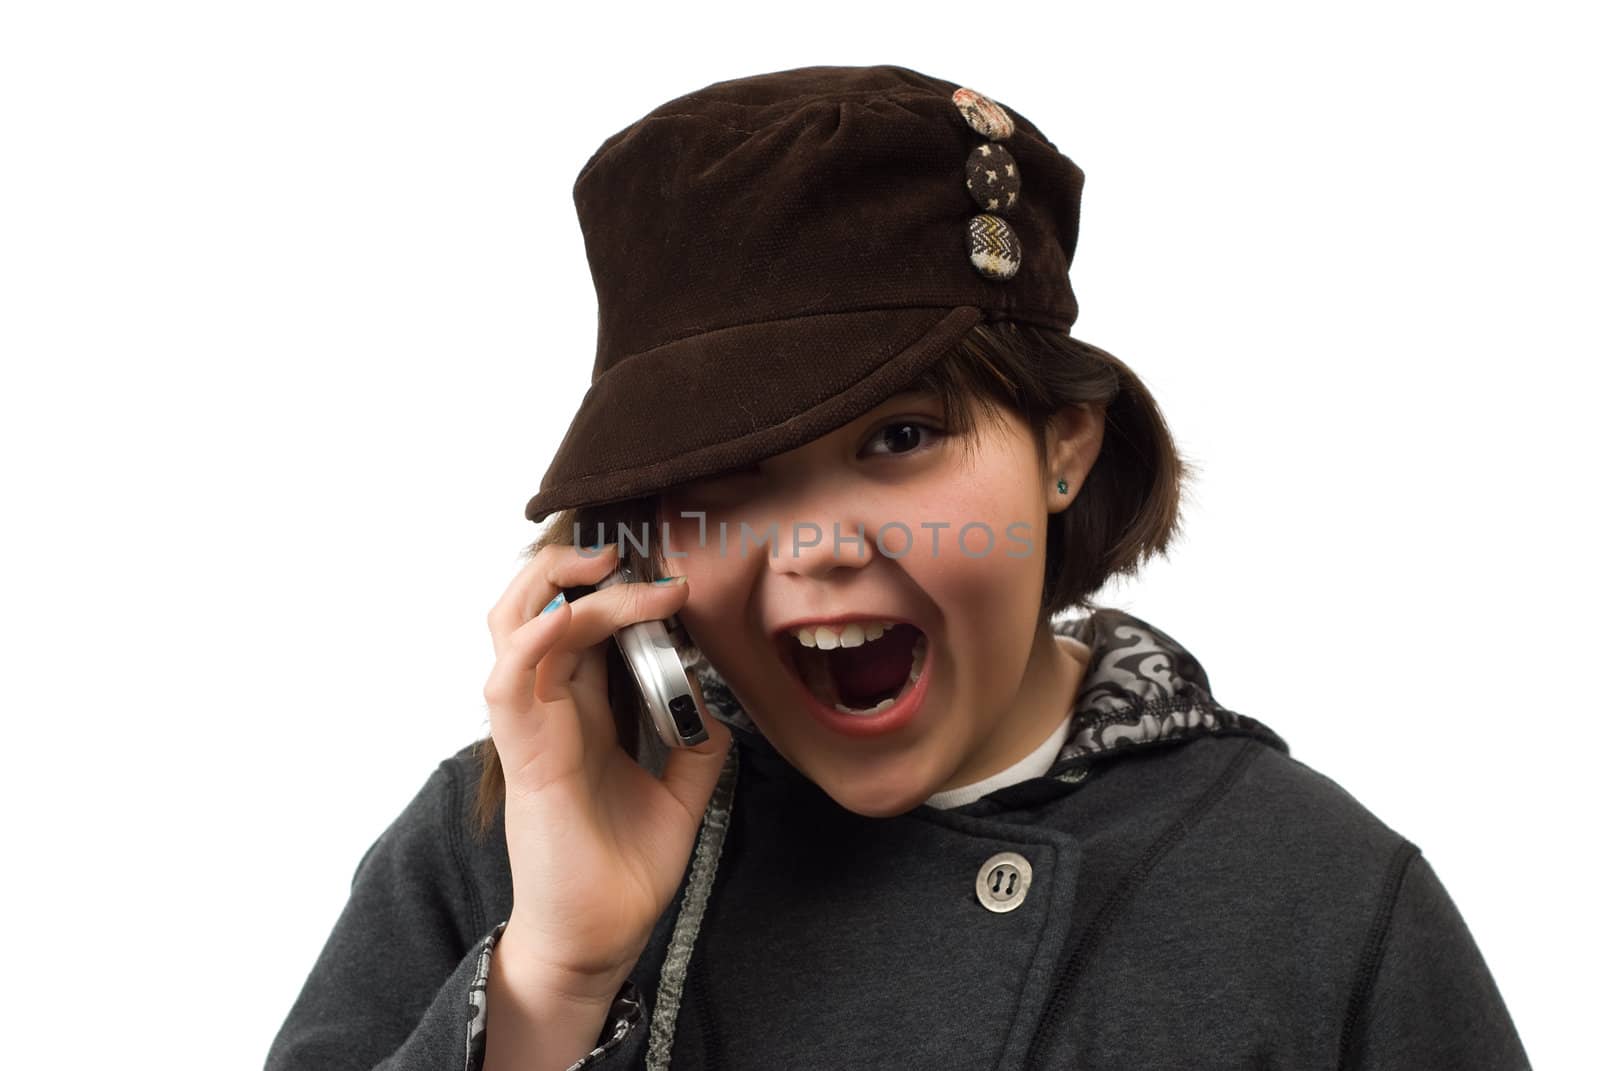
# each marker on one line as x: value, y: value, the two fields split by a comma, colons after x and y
x: 702, y: 872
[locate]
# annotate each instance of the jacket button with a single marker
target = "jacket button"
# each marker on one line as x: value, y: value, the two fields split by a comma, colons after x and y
x: 1003, y: 881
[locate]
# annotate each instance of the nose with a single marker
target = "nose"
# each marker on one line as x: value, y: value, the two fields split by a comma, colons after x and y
x: 816, y: 545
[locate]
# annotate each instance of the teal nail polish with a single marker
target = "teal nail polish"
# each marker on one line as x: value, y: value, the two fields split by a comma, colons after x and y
x: 557, y: 601
x: 669, y: 580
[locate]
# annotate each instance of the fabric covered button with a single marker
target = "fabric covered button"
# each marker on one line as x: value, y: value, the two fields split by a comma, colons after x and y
x: 983, y: 114
x: 992, y: 178
x: 992, y: 246
x: 1003, y: 881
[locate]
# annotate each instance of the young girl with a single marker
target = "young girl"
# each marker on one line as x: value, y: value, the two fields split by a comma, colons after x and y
x: 839, y: 426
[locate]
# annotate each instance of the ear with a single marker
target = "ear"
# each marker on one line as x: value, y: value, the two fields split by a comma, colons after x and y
x: 1072, y: 443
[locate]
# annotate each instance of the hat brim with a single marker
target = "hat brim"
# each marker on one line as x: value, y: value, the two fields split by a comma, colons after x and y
x: 726, y: 398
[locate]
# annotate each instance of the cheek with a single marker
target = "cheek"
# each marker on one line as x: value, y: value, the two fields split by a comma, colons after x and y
x: 711, y: 589
x: 983, y: 524
x: 987, y: 582
x: 718, y: 608
x: 994, y: 581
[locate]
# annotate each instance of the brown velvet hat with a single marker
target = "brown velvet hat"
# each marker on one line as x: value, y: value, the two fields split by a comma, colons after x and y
x: 775, y: 255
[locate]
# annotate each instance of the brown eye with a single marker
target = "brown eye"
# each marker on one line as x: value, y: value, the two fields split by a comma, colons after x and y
x: 901, y: 437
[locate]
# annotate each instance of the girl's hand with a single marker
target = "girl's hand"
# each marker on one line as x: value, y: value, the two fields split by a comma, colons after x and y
x: 597, y: 845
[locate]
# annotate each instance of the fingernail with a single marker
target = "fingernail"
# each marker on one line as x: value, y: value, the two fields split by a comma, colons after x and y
x: 594, y: 550
x: 671, y: 580
x: 555, y: 602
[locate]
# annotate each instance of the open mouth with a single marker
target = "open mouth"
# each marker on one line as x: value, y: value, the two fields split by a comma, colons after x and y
x: 860, y: 669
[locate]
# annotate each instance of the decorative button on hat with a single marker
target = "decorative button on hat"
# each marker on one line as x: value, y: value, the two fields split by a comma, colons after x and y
x: 983, y: 114
x: 775, y: 255
x: 992, y: 246
x: 992, y: 178
x: 994, y: 182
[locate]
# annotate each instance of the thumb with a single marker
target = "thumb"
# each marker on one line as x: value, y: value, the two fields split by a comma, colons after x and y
x: 691, y: 773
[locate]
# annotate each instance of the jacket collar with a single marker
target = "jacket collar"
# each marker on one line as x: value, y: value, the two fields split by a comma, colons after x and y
x: 1142, y: 689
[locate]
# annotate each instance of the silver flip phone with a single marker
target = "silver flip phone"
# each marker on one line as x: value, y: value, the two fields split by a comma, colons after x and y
x: 660, y: 671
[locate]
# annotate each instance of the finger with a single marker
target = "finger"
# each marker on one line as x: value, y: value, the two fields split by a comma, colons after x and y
x: 540, y: 716
x: 595, y: 618
x: 516, y: 721
x: 510, y: 682
x: 691, y: 773
x: 541, y: 580
x: 562, y: 637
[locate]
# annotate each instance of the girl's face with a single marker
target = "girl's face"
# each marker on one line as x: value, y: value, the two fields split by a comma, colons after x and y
x: 951, y: 549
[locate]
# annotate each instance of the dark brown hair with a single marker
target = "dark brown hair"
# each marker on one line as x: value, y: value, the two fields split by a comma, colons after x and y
x: 1127, y: 511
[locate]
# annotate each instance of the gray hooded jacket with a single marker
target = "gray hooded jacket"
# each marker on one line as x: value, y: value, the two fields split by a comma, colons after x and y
x: 1174, y: 892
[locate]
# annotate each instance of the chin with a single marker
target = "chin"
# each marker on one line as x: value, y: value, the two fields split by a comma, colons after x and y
x: 872, y: 799
x: 885, y: 812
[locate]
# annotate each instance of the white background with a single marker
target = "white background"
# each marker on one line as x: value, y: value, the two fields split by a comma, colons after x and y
x: 294, y: 309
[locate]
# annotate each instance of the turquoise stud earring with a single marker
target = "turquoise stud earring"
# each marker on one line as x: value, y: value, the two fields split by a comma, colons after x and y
x: 1061, y: 485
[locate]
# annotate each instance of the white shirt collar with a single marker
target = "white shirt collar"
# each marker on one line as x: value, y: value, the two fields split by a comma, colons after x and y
x: 1034, y: 764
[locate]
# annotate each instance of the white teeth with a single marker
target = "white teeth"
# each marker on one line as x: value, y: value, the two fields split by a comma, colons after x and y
x: 883, y: 704
x: 919, y: 653
x: 852, y: 635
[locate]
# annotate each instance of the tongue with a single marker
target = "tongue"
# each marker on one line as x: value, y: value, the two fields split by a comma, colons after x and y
x: 874, y: 670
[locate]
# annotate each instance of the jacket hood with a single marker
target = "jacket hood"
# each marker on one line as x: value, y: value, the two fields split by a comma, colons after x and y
x: 1142, y: 689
